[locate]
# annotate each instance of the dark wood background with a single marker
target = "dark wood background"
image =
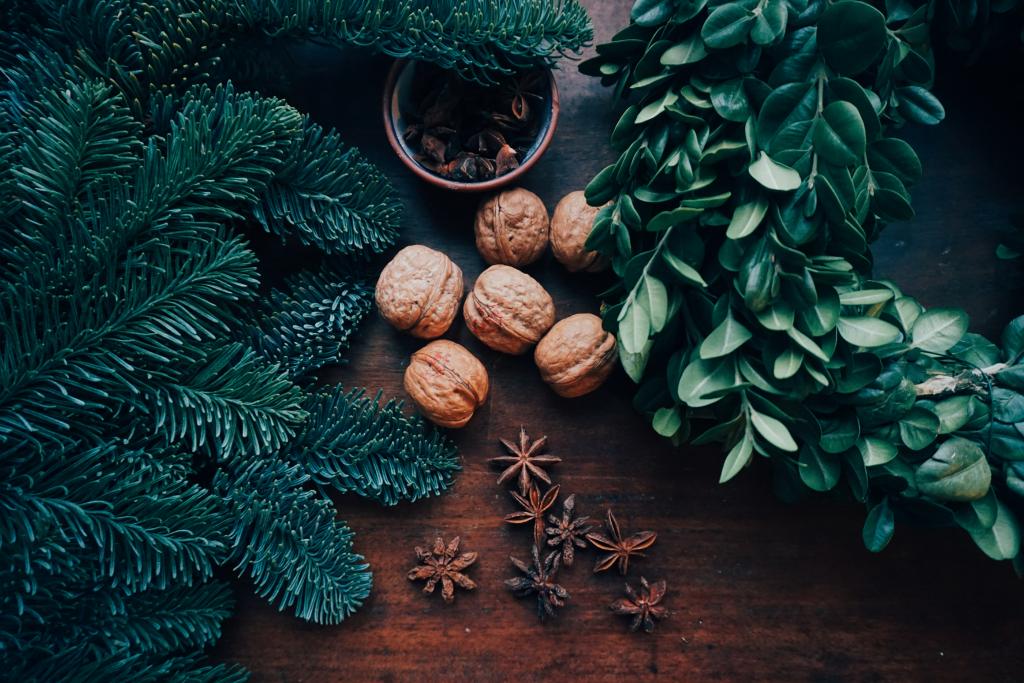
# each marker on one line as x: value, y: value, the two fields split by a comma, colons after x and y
x: 759, y: 590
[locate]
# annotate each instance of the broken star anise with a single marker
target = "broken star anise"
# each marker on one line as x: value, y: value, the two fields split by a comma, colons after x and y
x: 642, y: 605
x: 534, y: 506
x: 525, y: 461
x: 539, y: 580
x: 618, y: 547
x: 443, y: 564
x: 569, y: 531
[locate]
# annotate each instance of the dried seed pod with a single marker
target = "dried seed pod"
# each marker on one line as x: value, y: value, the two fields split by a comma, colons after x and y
x: 447, y: 382
x: 508, y: 310
x: 570, y: 226
x: 419, y: 291
x: 576, y: 356
x: 511, y: 227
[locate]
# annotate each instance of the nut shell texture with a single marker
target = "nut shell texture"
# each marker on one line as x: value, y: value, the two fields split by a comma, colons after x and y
x: 447, y: 382
x: 508, y: 310
x: 511, y: 228
x: 570, y: 227
x: 419, y: 291
x: 576, y: 356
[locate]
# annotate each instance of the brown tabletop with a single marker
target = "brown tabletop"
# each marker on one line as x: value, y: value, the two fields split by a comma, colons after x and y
x: 758, y: 589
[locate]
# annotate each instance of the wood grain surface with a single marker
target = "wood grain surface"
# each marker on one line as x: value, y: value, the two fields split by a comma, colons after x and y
x: 758, y: 590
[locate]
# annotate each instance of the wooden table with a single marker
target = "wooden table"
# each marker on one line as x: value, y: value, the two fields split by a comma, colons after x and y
x: 759, y: 590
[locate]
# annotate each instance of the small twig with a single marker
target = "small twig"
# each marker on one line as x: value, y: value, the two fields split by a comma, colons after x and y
x: 975, y: 380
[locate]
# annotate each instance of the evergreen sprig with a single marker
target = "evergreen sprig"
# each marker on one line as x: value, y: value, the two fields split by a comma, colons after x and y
x: 156, y: 422
x: 757, y: 162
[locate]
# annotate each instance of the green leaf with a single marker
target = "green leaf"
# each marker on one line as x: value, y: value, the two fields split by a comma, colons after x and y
x: 958, y: 471
x: 739, y: 456
x: 839, y: 433
x: 778, y: 318
x: 918, y: 428
x: 823, y: 317
x: 689, y: 51
x: 839, y: 135
x: 634, y: 363
x: 851, y: 36
x: 879, y: 527
x: 651, y: 12
x: 724, y: 339
x: 654, y: 297
x: 682, y: 269
x: 667, y: 421
x: 730, y: 101
x: 770, y: 24
x: 939, y: 329
x: 895, y: 156
x: 727, y: 26
x: 867, y: 332
x: 773, y: 175
x: 773, y: 431
x: 954, y: 413
x: 818, y: 470
x: 807, y: 344
x: 876, y: 451
x: 1013, y: 339
x: 667, y: 219
x: 746, y: 218
x: 1002, y: 540
x: 865, y: 297
x: 919, y: 105
x: 787, y: 363
x: 702, y: 377
x: 634, y: 327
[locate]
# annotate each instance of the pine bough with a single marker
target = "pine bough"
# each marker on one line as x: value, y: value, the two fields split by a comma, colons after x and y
x: 156, y: 423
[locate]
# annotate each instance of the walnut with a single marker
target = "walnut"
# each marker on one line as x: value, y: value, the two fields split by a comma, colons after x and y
x: 511, y: 228
x: 570, y: 227
x: 419, y: 291
x: 508, y: 310
x: 447, y: 382
x: 576, y: 356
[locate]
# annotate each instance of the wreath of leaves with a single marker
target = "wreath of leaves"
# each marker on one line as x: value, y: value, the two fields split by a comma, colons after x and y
x: 757, y: 162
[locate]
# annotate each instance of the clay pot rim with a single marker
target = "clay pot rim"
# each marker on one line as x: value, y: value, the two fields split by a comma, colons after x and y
x: 406, y: 155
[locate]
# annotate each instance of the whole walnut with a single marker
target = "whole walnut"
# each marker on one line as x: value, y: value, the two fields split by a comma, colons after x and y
x: 447, y: 382
x: 511, y: 228
x: 576, y: 356
x: 419, y: 291
x: 570, y: 227
x: 508, y: 310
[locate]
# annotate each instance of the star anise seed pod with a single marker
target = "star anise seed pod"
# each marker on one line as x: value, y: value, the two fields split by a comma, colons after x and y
x: 444, y: 565
x: 642, y: 605
x: 524, y: 461
x: 568, y: 532
x: 534, y: 508
x: 619, y: 548
x: 539, y: 580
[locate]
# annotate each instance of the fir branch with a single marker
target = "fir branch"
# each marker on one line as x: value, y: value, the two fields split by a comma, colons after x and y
x: 80, y: 664
x: 310, y: 323
x: 327, y: 195
x: 287, y: 538
x: 354, y: 444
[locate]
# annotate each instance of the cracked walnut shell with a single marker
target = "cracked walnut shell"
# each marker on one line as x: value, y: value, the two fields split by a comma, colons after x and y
x: 447, y: 382
x: 511, y: 228
x: 419, y: 291
x: 570, y: 226
x: 508, y: 310
x: 576, y: 356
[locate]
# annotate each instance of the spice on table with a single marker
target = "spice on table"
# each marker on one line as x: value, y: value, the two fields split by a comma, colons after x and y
x: 568, y: 532
x: 443, y: 564
x: 539, y: 580
x: 618, y: 547
x: 642, y: 604
x: 525, y: 461
x: 471, y: 132
x: 534, y: 506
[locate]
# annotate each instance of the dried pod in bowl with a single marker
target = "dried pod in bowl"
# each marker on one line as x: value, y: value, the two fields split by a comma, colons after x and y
x: 511, y: 228
x: 508, y: 310
x: 576, y: 356
x: 570, y: 227
x: 447, y: 382
x: 419, y: 291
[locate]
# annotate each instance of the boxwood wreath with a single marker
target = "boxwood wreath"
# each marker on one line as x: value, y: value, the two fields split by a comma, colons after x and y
x: 756, y: 163
x: 160, y: 423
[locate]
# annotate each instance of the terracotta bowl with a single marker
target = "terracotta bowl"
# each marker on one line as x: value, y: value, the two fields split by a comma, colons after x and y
x: 396, y: 90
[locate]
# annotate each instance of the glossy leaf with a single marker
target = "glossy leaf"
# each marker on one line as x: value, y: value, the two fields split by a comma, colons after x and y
x: 867, y: 332
x: 938, y: 329
x: 724, y: 339
x: 879, y: 527
x: 773, y: 175
x: 957, y: 471
x: 773, y: 431
x: 851, y: 35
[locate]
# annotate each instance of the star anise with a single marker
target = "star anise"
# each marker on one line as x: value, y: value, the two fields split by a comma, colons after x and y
x: 534, y: 508
x: 642, y: 605
x: 539, y: 580
x: 442, y: 564
x: 619, y: 548
x: 569, y: 531
x: 525, y: 461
